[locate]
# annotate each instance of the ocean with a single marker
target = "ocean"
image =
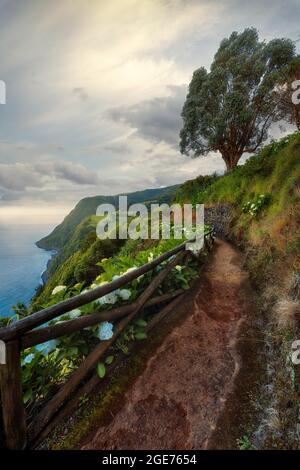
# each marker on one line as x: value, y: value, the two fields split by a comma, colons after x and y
x: 21, y: 264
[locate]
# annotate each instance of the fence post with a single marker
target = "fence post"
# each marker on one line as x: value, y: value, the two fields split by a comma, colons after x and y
x: 11, y: 396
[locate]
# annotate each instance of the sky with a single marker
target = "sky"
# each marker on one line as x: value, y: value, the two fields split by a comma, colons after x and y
x: 94, y: 92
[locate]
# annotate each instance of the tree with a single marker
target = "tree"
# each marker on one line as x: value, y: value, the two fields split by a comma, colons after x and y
x: 231, y: 108
x: 290, y: 85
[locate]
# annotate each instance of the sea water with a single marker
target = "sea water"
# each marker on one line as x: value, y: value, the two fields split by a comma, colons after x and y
x: 21, y: 264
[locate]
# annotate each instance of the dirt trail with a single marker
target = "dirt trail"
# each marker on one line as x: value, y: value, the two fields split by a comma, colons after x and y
x: 177, y: 400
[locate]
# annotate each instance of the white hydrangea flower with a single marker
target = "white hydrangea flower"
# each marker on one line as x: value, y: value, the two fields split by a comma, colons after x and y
x: 94, y: 286
x: 58, y: 289
x: 129, y: 270
x: 150, y: 257
x: 194, y: 247
x: 28, y: 359
x: 75, y: 313
x: 61, y: 318
x: 48, y: 347
x: 105, y: 331
x: 125, y: 294
x: 110, y: 298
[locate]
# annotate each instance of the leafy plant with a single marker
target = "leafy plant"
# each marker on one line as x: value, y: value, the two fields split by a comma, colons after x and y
x: 255, y: 206
x: 109, y: 360
x: 40, y: 372
x: 140, y: 335
x: 101, y: 370
x: 244, y: 443
x: 48, y: 365
x: 134, y: 331
x: 83, y: 399
x: 20, y: 310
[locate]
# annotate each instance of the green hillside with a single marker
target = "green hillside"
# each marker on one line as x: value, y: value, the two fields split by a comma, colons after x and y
x: 79, y: 249
x: 269, y: 180
x: 88, y: 206
x: 263, y: 200
x: 263, y: 195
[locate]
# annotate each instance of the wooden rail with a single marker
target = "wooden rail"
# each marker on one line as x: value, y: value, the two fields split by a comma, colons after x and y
x: 23, y: 334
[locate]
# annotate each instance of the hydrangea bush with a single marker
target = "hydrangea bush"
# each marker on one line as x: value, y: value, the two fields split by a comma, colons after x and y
x: 48, y: 364
x: 255, y: 206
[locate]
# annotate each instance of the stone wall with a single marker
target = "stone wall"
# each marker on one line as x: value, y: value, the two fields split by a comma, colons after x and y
x: 219, y: 216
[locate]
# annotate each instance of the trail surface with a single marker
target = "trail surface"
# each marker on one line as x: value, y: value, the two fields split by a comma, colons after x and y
x: 177, y: 400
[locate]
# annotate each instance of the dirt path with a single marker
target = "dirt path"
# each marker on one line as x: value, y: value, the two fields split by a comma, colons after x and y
x: 176, y: 402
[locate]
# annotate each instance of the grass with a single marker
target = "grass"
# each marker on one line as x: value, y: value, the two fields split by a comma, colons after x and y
x: 270, y: 239
x: 274, y: 227
x: 287, y: 314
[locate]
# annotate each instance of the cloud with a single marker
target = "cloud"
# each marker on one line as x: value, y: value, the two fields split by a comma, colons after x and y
x: 74, y: 172
x: 21, y: 176
x: 58, y: 142
x: 18, y: 177
x: 118, y: 148
x: 80, y: 93
x: 157, y: 119
x: 27, y: 152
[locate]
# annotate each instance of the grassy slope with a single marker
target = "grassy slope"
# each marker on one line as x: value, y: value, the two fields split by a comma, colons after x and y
x: 271, y: 240
x: 77, y: 262
x: 272, y: 235
x: 274, y: 172
x: 87, y: 207
x: 79, y: 248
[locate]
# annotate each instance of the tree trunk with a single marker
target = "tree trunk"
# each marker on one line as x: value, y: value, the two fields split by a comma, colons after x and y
x: 231, y: 160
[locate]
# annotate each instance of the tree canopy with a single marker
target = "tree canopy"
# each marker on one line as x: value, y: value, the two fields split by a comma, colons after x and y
x: 290, y: 85
x: 230, y: 108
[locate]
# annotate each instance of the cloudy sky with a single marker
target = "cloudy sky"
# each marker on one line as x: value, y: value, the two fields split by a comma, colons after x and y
x: 95, y: 90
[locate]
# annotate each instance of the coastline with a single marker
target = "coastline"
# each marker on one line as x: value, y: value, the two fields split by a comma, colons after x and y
x: 23, y: 265
x: 44, y: 275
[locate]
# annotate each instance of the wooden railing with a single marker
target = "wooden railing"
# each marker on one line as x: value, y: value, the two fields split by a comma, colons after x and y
x: 23, y: 334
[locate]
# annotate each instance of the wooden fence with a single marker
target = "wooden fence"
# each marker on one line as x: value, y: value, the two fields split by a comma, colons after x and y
x: 24, y: 334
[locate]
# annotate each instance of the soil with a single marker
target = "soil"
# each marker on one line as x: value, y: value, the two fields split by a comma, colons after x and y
x: 187, y: 396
